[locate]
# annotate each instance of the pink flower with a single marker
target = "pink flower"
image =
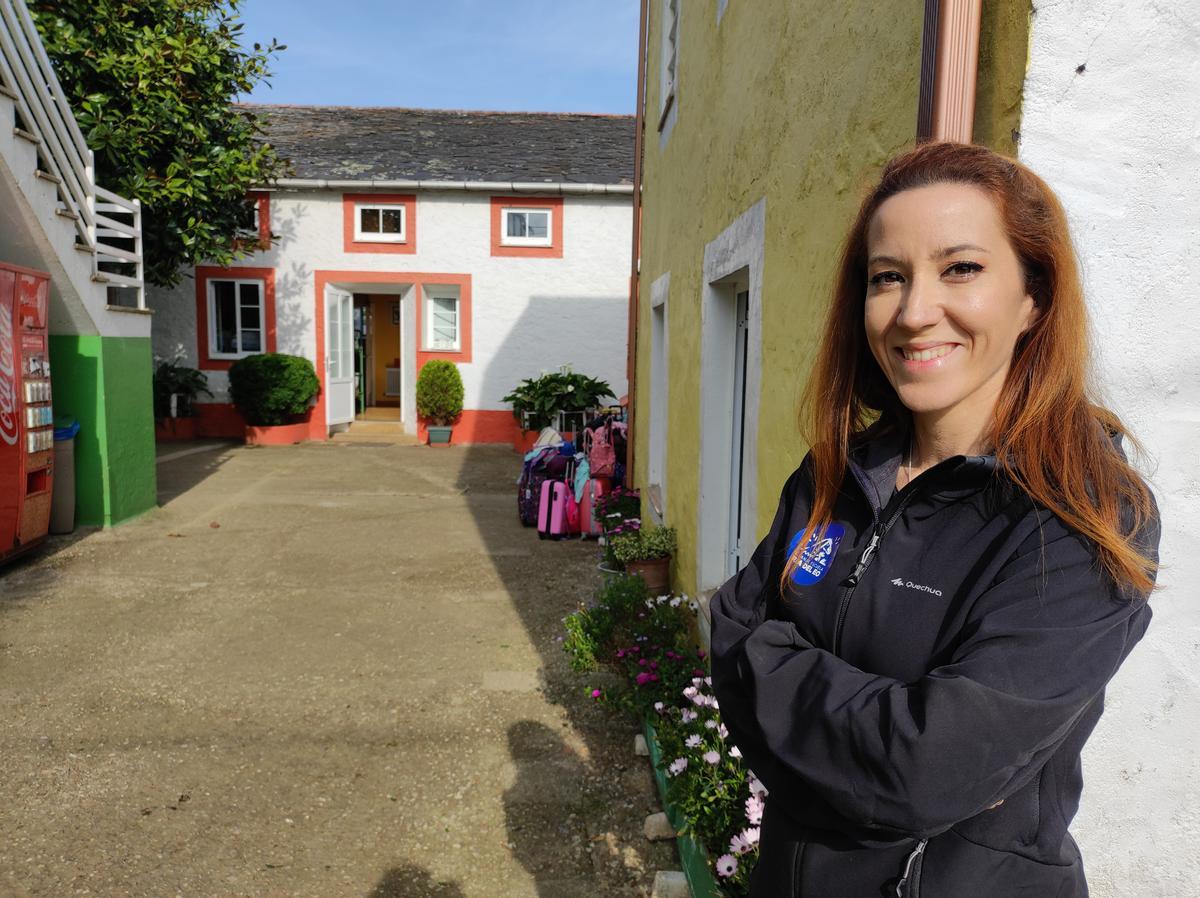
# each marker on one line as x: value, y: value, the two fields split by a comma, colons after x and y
x: 754, y: 809
x: 690, y: 692
x: 643, y: 678
x: 677, y: 766
x: 692, y: 741
x: 726, y: 866
x: 688, y: 715
x: 735, y: 752
x: 659, y: 707
x: 744, y: 841
x: 756, y: 786
x: 596, y: 693
x: 712, y: 757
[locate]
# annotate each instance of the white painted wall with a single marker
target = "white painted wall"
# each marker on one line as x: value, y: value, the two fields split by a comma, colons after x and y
x: 529, y: 314
x: 1120, y: 144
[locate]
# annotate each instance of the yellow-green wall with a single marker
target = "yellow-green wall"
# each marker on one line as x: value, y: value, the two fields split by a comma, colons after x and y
x: 798, y: 102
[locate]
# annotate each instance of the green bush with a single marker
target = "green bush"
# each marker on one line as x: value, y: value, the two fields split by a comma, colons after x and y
x: 542, y: 398
x: 439, y: 392
x: 272, y: 388
x: 644, y: 545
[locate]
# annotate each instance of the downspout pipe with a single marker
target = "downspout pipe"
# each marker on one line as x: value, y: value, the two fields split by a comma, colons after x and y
x: 636, y: 257
x: 949, y: 70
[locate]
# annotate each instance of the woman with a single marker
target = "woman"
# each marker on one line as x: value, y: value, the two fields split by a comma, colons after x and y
x: 915, y: 655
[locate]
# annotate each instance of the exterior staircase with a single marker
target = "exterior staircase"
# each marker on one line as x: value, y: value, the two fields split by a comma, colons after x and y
x: 377, y: 425
x: 55, y: 217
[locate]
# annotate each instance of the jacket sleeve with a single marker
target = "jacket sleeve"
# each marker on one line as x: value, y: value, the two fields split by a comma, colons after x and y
x: 915, y: 758
x: 736, y: 610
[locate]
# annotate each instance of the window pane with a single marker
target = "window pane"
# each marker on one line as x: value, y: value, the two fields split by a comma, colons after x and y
x: 250, y: 318
x: 224, y: 315
x: 370, y: 221
x: 251, y: 340
x: 516, y: 224
x: 334, y: 337
x: 444, y: 320
x: 248, y: 216
x: 539, y: 224
x: 393, y: 221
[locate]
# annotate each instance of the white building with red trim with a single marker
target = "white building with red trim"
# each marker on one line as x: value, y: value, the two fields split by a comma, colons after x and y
x: 499, y: 241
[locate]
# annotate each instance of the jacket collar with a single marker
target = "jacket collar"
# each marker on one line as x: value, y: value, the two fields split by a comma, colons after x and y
x: 876, y: 461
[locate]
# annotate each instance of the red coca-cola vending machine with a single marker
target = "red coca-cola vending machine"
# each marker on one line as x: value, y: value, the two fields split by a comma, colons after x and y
x: 26, y: 418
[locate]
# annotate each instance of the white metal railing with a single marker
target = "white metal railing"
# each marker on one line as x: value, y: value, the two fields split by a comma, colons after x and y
x: 107, y: 224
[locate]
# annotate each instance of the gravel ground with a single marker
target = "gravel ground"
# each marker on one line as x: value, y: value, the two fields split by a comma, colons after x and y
x: 321, y: 670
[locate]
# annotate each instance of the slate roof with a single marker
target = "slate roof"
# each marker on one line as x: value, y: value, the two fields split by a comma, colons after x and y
x: 385, y: 143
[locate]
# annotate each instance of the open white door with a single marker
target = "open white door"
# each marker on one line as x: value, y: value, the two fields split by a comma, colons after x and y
x: 339, y: 357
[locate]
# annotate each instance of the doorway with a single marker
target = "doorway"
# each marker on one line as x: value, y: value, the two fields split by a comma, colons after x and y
x: 379, y: 374
x: 731, y: 298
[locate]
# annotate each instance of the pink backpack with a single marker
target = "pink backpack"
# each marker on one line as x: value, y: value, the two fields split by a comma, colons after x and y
x: 601, y: 456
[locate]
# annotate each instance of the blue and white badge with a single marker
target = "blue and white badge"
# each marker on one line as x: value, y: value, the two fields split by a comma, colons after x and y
x: 818, y: 555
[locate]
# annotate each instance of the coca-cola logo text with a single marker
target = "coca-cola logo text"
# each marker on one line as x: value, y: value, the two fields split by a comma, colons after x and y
x: 8, y: 380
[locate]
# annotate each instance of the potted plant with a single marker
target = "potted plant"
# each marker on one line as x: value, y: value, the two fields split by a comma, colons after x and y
x: 274, y: 393
x: 538, y: 401
x: 176, y: 387
x: 439, y: 398
x: 647, y: 553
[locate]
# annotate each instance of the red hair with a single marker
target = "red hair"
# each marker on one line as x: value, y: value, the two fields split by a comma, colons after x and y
x: 1050, y: 437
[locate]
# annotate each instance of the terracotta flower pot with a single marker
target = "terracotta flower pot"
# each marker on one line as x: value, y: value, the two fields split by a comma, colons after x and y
x: 656, y: 573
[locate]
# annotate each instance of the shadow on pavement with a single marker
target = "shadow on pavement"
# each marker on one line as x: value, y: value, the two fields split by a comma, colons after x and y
x: 412, y: 881
x: 181, y: 466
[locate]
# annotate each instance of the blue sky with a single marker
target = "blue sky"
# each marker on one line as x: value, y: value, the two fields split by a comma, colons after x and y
x: 535, y: 55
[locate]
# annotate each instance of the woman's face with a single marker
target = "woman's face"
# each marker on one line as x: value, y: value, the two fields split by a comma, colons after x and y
x: 946, y: 301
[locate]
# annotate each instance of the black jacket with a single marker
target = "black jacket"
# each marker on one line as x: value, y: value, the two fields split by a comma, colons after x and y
x: 945, y: 648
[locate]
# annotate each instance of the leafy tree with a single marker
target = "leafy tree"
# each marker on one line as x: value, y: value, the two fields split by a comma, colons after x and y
x: 152, y: 85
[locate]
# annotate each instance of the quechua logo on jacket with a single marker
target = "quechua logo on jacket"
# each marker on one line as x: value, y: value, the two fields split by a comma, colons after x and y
x: 818, y: 554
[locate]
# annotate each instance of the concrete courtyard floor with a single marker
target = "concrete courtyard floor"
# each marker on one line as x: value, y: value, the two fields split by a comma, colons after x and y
x: 322, y: 670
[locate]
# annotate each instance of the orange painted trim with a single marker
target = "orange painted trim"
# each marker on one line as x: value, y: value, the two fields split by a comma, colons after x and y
x: 262, y: 200
x: 278, y: 435
x: 553, y: 203
x: 318, y: 430
x: 407, y: 200
x: 219, y: 420
x: 205, y: 273
x: 477, y: 426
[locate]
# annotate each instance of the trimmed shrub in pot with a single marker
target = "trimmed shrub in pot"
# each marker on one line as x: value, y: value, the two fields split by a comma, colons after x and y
x: 647, y: 553
x: 273, y: 388
x: 439, y: 398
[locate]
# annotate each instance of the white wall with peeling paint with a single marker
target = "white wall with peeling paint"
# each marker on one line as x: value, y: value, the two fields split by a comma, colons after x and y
x: 1119, y: 141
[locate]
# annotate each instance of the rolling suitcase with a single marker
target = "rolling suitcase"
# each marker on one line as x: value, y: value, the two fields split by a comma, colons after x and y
x: 589, y: 524
x: 552, y: 510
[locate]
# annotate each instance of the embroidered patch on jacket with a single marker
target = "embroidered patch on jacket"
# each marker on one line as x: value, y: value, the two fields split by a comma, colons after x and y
x: 818, y: 554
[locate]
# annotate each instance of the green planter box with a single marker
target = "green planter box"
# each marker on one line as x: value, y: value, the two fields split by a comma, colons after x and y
x: 691, y: 853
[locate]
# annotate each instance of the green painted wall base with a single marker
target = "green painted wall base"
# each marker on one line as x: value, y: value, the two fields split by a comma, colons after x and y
x: 105, y: 384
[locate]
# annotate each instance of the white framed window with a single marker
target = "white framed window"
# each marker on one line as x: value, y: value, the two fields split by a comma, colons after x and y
x: 669, y: 60
x: 527, y: 227
x: 379, y: 223
x: 443, y: 331
x: 235, y: 318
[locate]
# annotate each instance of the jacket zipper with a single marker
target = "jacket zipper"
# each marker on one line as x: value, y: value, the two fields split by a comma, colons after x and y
x: 868, y: 555
x: 912, y: 871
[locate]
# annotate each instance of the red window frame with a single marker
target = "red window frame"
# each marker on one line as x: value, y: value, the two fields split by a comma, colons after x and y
x: 553, y: 203
x: 206, y: 273
x: 409, y: 201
